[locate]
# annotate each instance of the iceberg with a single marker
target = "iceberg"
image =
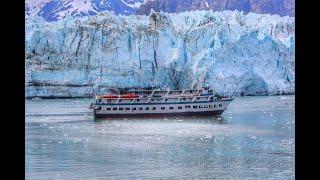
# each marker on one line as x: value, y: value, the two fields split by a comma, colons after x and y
x: 231, y: 52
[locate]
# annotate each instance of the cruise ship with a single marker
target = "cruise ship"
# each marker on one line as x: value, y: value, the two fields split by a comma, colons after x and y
x: 160, y: 102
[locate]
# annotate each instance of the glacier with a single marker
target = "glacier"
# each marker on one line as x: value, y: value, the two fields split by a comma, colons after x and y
x: 252, y: 54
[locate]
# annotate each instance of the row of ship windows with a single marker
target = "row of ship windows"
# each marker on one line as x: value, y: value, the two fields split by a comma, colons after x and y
x: 163, y: 108
x: 182, y: 99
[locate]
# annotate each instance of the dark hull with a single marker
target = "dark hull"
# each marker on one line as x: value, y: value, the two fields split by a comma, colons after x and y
x: 204, y: 113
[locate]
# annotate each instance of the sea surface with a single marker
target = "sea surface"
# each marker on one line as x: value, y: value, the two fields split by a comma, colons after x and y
x: 253, y: 139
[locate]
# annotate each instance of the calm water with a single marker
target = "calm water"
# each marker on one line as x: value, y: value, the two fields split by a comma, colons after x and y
x: 253, y: 139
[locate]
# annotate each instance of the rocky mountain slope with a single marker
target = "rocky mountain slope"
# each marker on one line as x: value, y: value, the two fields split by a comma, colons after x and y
x: 52, y: 10
x: 280, y: 7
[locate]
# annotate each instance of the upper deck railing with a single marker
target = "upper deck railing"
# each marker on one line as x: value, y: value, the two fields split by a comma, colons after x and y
x: 169, y: 93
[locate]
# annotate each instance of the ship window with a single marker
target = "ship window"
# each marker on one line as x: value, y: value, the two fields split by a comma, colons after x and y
x: 119, y: 100
x: 170, y: 107
x: 108, y: 109
x: 195, y: 107
x: 140, y: 108
x: 147, y: 108
x: 152, y: 99
x: 186, y: 106
x: 134, y: 108
x: 214, y: 106
x: 220, y: 105
x: 127, y: 108
x: 179, y: 107
x: 114, y: 109
x: 198, y: 98
x: 200, y: 107
x: 138, y: 100
x: 165, y: 99
x: 189, y: 106
x: 154, y: 108
x: 120, y: 109
x: 163, y: 108
x: 209, y: 106
x: 183, y: 99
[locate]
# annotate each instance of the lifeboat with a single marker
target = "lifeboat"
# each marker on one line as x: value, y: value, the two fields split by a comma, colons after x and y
x: 129, y: 96
x: 111, y: 96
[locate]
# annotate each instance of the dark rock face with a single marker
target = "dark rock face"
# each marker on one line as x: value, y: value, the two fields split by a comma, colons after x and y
x: 281, y: 7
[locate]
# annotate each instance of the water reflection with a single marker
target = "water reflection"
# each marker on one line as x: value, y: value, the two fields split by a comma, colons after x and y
x: 189, y: 119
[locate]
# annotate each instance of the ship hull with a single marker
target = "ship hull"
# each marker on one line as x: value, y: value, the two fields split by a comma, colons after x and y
x: 202, y: 113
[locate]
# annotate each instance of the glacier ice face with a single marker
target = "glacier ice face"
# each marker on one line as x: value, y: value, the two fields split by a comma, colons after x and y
x: 229, y: 51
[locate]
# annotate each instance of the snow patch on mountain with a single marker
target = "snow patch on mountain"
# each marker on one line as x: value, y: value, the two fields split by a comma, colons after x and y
x: 52, y: 10
x: 134, y: 4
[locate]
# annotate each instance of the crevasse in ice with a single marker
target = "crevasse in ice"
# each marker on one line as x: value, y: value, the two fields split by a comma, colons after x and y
x: 229, y: 51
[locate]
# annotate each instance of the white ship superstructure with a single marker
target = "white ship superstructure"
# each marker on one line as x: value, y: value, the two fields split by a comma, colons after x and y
x: 146, y: 103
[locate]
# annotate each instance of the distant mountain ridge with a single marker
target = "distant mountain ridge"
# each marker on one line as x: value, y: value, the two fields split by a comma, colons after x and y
x: 52, y: 10
x: 280, y: 7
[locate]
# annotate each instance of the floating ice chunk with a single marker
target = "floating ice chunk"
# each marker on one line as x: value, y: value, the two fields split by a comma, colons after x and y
x: 209, y: 136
